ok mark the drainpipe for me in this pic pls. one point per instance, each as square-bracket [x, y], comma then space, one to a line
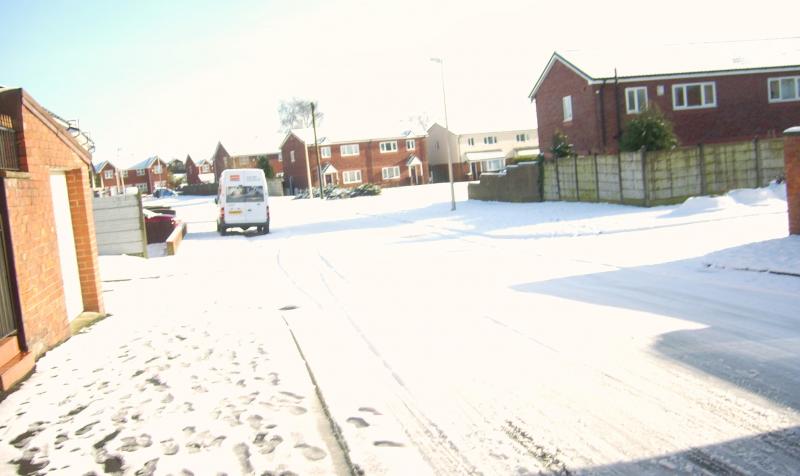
[616, 108]
[603, 114]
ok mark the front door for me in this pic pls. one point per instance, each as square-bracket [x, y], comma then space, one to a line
[66, 245]
[414, 176]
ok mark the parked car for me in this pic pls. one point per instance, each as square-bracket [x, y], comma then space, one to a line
[243, 200]
[164, 193]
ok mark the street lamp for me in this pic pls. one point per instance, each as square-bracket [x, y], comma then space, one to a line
[447, 142]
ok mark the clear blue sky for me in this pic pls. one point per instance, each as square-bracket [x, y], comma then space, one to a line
[174, 77]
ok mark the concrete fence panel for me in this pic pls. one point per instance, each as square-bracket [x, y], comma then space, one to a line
[119, 225]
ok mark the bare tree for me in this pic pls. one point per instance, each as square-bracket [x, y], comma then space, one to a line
[421, 120]
[296, 114]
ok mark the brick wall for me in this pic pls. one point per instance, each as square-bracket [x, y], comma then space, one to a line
[791, 157]
[33, 234]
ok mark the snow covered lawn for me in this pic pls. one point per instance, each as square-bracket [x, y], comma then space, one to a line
[497, 339]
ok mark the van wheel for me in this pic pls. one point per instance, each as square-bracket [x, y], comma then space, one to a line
[266, 228]
[222, 230]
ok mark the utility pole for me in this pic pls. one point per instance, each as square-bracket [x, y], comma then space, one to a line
[447, 142]
[316, 148]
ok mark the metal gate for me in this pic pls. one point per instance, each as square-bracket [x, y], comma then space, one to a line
[8, 321]
[8, 161]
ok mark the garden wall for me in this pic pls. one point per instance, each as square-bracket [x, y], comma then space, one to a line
[665, 177]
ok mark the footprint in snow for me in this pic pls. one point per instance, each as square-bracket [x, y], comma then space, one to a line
[369, 410]
[387, 444]
[358, 422]
[170, 447]
[311, 452]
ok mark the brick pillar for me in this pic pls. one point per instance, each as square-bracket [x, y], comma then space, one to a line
[80, 203]
[791, 161]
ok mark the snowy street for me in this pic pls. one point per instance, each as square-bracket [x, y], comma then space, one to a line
[501, 338]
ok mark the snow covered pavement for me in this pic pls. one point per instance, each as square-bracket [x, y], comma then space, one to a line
[500, 338]
[181, 379]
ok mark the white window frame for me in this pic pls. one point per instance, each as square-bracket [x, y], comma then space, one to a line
[157, 169]
[566, 104]
[140, 172]
[523, 137]
[391, 173]
[325, 152]
[280, 156]
[470, 141]
[291, 156]
[388, 146]
[780, 88]
[348, 150]
[411, 144]
[347, 176]
[489, 140]
[704, 104]
[108, 174]
[124, 174]
[635, 108]
[486, 165]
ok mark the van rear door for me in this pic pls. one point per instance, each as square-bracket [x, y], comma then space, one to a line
[245, 199]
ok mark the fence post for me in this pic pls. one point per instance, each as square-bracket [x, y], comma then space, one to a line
[759, 173]
[701, 163]
[596, 177]
[577, 184]
[619, 176]
[643, 157]
[558, 179]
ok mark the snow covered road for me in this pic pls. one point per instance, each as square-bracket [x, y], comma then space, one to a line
[498, 339]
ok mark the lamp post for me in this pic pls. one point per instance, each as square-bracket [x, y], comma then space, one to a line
[447, 142]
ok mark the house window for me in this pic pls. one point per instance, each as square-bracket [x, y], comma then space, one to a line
[351, 176]
[694, 96]
[157, 169]
[389, 173]
[140, 172]
[280, 156]
[523, 137]
[492, 165]
[635, 100]
[142, 187]
[784, 89]
[325, 152]
[291, 156]
[411, 144]
[109, 174]
[471, 141]
[566, 103]
[490, 140]
[390, 146]
[349, 149]
[124, 173]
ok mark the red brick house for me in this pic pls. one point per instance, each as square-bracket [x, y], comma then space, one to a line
[106, 174]
[192, 171]
[49, 272]
[251, 161]
[147, 175]
[389, 161]
[218, 161]
[711, 93]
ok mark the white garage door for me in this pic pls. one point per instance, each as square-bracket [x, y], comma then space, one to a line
[66, 245]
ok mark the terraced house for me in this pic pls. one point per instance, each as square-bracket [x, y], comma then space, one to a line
[711, 93]
[389, 161]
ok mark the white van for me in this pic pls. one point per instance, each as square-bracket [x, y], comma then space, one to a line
[242, 199]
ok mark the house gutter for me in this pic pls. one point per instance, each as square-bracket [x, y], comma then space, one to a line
[616, 108]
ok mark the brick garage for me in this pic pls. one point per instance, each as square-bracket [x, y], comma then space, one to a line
[791, 157]
[43, 148]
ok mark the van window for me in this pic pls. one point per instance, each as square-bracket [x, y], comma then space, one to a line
[244, 193]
